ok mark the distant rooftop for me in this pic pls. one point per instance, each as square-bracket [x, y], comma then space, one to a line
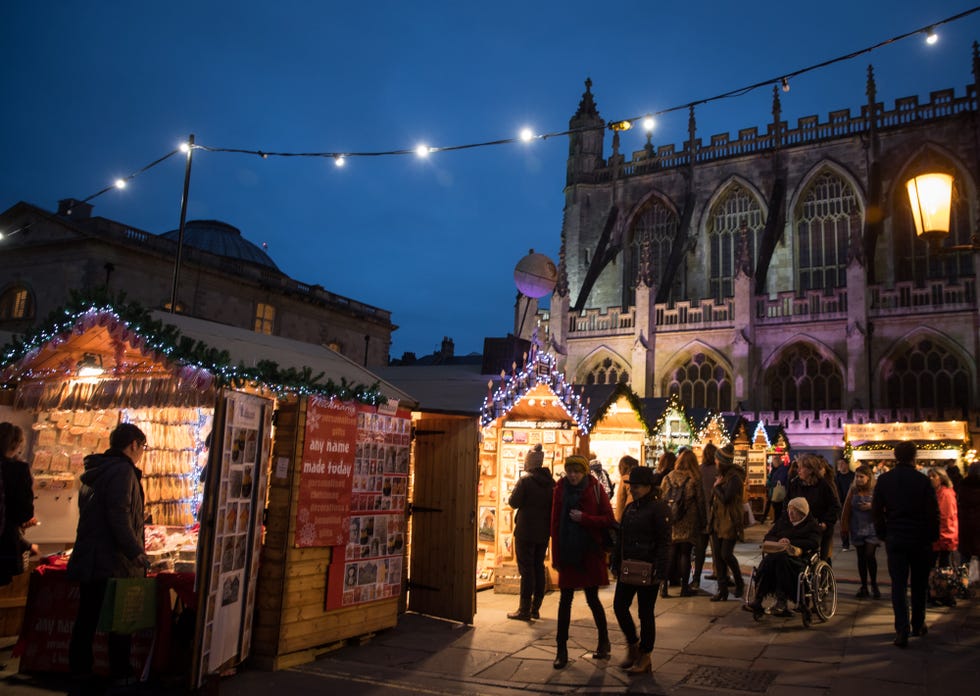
[222, 239]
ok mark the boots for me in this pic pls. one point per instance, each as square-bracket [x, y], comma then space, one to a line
[561, 658]
[522, 614]
[536, 609]
[663, 589]
[686, 589]
[642, 665]
[875, 592]
[632, 655]
[602, 648]
[739, 586]
[722, 593]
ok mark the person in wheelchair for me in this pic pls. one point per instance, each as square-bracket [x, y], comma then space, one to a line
[787, 548]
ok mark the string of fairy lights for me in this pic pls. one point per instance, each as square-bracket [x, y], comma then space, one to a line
[528, 135]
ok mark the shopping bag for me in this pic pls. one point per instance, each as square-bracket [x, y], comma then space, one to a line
[130, 605]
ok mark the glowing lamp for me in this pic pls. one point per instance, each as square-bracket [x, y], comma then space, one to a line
[930, 196]
[90, 365]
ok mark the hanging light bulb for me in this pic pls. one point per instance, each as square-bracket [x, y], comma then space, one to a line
[931, 36]
[184, 147]
[423, 150]
[785, 83]
[339, 161]
[527, 135]
[120, 183]
[649, 124]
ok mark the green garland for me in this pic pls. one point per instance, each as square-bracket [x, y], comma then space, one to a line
[167, 340]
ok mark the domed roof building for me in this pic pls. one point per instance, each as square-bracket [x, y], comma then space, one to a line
[221, 239]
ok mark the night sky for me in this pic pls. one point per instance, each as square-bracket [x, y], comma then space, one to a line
[93, 91]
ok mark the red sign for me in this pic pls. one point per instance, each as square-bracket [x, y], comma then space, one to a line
[323, 504]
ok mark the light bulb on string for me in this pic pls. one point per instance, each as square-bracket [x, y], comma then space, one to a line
[785, 84]
[423, 150]
[527, 135]
[339, 161]
[931, 36]
[120, 183]
[184, 147]
[649, 124]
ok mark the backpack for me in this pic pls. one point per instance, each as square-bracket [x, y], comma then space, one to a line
[675, 499]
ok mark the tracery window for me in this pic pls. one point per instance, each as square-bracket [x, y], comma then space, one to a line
[16, 303]
[607, 371]
[804, 380]
[927, 377]
[824, 222]
[658, 224]
[733, 210]
[701, 383]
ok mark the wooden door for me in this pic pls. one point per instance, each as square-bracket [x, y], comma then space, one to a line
[442, 565]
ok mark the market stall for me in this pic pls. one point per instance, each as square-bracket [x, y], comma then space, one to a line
[939, 443]
[534, 405]
[618, 429]
[766, 445]
[209, 427]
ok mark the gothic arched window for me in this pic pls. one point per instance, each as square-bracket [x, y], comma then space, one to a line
[804, 380]
[701, 383]
[735, 208]
[16, 302]
[824, 222]
[607, 371]
[927, 377]
[657, 224]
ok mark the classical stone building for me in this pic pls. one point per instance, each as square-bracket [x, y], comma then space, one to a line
[778, 272]
[223, 277]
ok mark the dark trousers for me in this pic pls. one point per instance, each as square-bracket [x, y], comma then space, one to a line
[700, 552]
[680, 560]
[646, 601]
[530, 564]
[724, 560]
[565, 613]
[80, 658]
[777, 509]
[908, 564]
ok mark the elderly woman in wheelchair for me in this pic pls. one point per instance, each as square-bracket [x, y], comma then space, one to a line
[788, 553]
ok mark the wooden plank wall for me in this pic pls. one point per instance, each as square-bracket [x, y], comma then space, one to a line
[291, 625]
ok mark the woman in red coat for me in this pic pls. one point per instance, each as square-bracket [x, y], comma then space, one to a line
[948, 518]
[579, 514]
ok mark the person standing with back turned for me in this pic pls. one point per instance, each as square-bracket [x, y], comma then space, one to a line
[108, 544]
[531, 498]
[906, 518]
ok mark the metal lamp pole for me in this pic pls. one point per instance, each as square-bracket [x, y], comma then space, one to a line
[183, 218]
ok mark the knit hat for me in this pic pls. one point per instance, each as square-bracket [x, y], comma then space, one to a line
[575, 462]
[641, 476]
[534, 458]
[725, 455]
[800, 505]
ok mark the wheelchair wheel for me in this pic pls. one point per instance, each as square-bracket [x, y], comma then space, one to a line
[824, 590]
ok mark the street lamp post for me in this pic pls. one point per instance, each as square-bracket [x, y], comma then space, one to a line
[183, 218]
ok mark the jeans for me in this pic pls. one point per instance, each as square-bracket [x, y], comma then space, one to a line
[530, 564]
[565, 613]
[646, 600]
[80, 658]
[908, 563]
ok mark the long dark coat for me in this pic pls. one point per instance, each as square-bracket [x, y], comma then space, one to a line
[597, 515]
[18, 488]
[531, 498]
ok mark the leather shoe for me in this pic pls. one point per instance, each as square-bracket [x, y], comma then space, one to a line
[561, 659]
[901, 640]
[920, 631]
[520, 615]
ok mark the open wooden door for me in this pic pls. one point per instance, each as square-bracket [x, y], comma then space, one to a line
[442, 565]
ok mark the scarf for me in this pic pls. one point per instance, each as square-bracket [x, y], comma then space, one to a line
[573, 539]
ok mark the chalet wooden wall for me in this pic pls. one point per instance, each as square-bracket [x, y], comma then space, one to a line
[291, 625]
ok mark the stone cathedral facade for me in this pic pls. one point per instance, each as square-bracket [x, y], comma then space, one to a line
[777, 273]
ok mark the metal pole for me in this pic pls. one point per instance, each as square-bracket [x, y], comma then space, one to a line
[183, 218]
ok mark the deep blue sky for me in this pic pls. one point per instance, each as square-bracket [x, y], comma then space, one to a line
[95, 90]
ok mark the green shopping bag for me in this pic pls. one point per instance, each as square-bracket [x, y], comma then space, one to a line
[130, 605]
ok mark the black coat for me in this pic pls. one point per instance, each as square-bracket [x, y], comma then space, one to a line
[18, 488]
[968, 512]
[806, 534]
[904, 508]
[823, 500]
[644, 534]
[531, 498]
[109, 539]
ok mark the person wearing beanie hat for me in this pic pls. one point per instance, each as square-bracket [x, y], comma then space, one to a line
[579, 514]
[531, 498]
[798, 534]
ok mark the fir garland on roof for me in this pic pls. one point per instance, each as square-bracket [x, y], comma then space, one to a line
[622, 389]
[135, 324]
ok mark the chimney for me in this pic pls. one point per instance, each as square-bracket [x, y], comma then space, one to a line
[74, 208]
[447, 348]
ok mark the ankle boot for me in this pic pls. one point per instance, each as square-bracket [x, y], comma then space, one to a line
[561, 658]
[686, 590]
[722, 593]
[632, 655]
[642, 665]
[522, 614]
[602, 648]
[739, 586]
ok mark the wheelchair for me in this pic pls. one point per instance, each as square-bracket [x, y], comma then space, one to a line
[816, 591]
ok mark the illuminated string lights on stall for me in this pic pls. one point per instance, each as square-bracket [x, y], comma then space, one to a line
[526, 135]
[539, 367]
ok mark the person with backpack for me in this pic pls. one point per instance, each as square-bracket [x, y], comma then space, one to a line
[681, 490]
